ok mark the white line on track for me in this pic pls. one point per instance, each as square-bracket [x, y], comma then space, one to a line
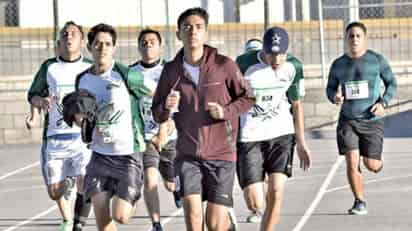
[368, 182]
[319, 195]
[42, 214]
[19, 170]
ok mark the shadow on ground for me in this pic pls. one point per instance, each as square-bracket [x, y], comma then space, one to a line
[398, 125]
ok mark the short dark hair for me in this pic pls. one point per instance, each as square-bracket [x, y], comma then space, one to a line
[101, 27]
[356, 24]
[149, 31]
[72, 23]
[193, 11]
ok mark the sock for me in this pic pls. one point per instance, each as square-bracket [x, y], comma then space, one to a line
[81, 210]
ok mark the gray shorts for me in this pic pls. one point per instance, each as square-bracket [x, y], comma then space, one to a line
[117, 175]
[255, 159]
[212, 179]
[62, 156]
[162, 160]
[363, 135]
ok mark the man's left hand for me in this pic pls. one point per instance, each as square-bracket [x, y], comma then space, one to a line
[215, 110]
[378, 109]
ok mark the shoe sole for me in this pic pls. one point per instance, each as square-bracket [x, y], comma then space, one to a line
[352, 212]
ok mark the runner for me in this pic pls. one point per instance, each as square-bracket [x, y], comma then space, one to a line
[205, 94]
[359, 74]
[114, 176]
[277, 88]
[63, 155]
[160, 139]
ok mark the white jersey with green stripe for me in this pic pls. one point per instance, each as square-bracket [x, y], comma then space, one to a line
[113, 134]
[151, 78]
[56, 78]
[271, 115]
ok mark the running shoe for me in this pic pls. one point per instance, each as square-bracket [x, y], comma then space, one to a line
[358, 208]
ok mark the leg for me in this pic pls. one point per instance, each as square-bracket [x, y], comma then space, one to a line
[254, 196]
[82, 206]
[251, 177]
[56, 192]
[151, 196]
[101, 207]
[123, 210]
[274, 196]
[192, 207]
[217, 217]
[353, 174]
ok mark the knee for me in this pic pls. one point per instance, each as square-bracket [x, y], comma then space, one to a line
[374, 165]
[170, 186]
[121, 219]
[54, 194]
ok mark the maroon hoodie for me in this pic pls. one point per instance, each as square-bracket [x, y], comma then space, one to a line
[198, 133]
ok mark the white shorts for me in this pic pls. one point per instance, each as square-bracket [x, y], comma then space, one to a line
[63, 156]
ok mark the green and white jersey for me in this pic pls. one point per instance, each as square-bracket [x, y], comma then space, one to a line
[151, 78]
[271, 115]
[119, 129]
[56, 78]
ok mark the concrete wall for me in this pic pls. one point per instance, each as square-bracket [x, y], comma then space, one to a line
[320, 115]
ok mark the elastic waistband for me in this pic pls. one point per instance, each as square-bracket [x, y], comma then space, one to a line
[68, 136]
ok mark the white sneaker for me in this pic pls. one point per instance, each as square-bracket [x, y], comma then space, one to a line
[254, 217]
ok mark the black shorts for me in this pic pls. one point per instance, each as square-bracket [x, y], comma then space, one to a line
[212, 179]
[363, 135]
[255, 159]
[162, 161]
[118, 175]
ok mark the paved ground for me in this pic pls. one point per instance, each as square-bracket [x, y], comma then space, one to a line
[314, 201]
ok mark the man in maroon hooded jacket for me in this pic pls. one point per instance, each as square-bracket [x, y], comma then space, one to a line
[205, 93]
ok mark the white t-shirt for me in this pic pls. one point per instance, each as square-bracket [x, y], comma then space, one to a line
[151, 79]
[270, 117]
[61, 77]
[113, 135]
[193, 71]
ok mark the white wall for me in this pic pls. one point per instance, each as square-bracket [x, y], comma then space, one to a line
[253, 12]
[39, 13]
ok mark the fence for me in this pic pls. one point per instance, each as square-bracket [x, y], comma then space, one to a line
[389, 27]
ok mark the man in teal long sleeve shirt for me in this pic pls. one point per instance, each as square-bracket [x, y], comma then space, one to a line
[359, 74]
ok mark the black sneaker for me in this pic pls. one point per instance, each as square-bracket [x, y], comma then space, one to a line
[358, 208]
[178, 200]
[77, 227]
[157, 227]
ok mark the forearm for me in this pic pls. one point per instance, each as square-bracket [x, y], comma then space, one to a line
[298, 119]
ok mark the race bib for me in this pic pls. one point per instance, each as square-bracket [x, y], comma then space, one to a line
[357, 90]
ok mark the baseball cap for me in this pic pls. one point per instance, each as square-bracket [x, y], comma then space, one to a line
[275, 40]
[253, 44]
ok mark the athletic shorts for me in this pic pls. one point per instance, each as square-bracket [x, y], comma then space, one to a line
[162, 161]
[62, 156]
[120, 176]
[212, 179]
[255, 159]
[363, 135]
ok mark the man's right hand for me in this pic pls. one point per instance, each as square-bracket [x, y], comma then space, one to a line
[339, 98]
[172, 100]
[41, 102]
